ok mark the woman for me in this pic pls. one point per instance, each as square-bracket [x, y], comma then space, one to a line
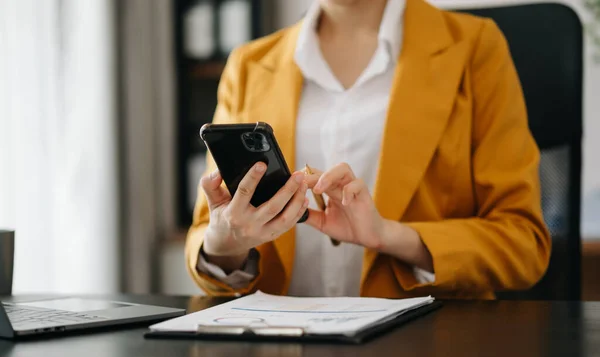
[417, 120]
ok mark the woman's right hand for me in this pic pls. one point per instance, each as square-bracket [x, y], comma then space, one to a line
[236, 226]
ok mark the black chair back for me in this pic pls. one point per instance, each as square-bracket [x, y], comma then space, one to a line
[546, 43]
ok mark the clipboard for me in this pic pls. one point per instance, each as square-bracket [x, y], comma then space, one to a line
[293, 334]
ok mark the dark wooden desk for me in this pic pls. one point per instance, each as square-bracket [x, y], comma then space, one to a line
[504, 328]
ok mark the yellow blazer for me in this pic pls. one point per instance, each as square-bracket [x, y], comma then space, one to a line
[458, 162]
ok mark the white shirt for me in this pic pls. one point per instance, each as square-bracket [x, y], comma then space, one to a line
[336, 125]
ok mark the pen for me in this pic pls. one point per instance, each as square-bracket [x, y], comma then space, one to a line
[320, 202]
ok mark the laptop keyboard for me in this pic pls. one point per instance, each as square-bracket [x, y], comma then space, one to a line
[26, 317]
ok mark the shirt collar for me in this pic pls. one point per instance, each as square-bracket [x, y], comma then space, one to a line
[308, 55]
[390, 30]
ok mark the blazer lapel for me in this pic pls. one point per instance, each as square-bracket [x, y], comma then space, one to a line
[427, 77]
[275, 83]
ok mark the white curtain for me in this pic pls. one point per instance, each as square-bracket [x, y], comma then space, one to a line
[58, 169]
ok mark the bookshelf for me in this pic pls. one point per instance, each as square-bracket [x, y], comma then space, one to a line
[197, 77]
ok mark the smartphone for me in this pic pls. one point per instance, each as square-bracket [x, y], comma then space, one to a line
[237, 147]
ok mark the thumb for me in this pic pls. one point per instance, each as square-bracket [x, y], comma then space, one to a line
[312, 178]
[316, 219]
[216, 195]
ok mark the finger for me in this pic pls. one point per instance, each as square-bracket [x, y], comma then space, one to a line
[312, 179]
[215, 194]
[291, 209]
[313, 171]
[339, 176]
[268, 210]
[290, 215]
[352, 190]
[316, 219]
[245, 191]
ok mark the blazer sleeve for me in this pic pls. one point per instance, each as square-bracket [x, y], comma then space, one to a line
[506, 244]
[228, 100]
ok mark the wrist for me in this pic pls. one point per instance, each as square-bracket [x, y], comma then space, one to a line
[228, 263]
[215, 252]
[391, 233]
[404, 243]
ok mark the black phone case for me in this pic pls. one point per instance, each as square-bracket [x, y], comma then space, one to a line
[234, 159]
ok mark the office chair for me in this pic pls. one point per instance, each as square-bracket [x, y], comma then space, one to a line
[546, 43]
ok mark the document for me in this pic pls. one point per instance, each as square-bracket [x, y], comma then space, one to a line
[270, 314]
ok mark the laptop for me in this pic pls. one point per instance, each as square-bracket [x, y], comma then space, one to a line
[68, 314]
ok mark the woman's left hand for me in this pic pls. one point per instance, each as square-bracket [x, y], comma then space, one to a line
[351, 215]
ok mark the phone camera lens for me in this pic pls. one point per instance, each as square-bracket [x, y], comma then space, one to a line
[255, 142]
[248, 139]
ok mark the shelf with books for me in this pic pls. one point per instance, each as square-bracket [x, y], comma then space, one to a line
[205, 33]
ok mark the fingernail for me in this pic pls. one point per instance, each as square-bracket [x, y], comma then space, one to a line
[260, 167]
[304, 187]
[299, 178]
[214, 174]
[305, 204]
